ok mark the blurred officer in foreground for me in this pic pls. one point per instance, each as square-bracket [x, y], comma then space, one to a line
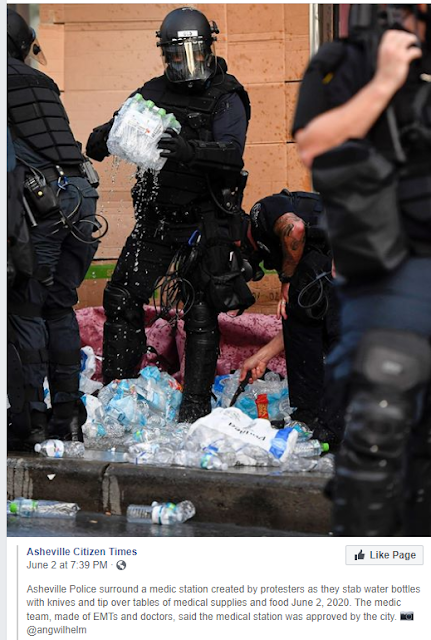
[284, 230]
[56, 193]
[187, 217]
[363, 124]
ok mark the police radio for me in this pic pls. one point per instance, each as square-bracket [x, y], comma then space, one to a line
[40, 196]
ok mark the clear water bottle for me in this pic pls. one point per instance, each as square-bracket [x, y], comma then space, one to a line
[301, 428]
[27, 508]
[310, 448]
[135, 103]
[199, 460]
[157, 453]
[271, 376]
[106, 393]
[140, 513]
[284, 406]
[161, 513]
[93, 430]
[185, 510]
[170, 122]
[60, 449]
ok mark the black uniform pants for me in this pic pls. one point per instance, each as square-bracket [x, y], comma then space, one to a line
[306, 342]
[44, 325]
[145, 258]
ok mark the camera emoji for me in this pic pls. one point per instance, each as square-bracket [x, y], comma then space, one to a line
[406, 615]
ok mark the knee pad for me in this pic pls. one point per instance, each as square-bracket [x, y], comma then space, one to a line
[390, 370]
[121, 305]
[201, 319]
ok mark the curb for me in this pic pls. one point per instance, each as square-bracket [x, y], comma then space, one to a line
[277, 501]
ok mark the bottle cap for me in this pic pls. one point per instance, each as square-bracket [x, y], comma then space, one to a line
[150, 104]
[325, 447]
[162, 112]
[138, 97]
[37, 447]
[13, 507]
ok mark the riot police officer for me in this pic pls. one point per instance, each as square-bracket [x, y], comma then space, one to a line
[363, 124]
[184, 214]
[285, 230]
[43, 335]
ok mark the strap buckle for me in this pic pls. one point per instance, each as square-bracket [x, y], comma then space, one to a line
[62, 180]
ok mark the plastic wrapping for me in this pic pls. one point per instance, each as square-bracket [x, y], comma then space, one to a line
[267, 398]
[136, 131]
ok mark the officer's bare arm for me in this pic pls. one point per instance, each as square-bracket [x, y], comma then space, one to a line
[291, 231]
[356, 117]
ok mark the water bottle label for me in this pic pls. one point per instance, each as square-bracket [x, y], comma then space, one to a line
[52, 448]
[279, 443]
[262, 406]
[159, 515]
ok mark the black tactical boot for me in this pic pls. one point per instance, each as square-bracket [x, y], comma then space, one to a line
[201, 359]
[67, 420]
[26, 431]
[194, 407]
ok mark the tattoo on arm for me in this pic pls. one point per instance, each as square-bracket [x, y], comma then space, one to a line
[291, 231]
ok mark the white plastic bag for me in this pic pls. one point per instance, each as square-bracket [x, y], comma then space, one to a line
[234, 424]
[88, 369]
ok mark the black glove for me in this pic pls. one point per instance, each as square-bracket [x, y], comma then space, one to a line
[175, 147]
[96, 145]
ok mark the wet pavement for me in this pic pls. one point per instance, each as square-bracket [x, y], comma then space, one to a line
[239, 502]
[97, 525]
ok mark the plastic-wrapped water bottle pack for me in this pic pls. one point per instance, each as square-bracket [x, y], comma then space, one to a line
[137, 129]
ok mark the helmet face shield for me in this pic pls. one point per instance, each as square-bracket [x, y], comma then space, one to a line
[188, 59]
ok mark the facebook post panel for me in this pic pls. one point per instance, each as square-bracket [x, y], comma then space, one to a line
[218, 320]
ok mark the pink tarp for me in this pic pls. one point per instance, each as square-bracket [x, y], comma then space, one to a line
[240, 338]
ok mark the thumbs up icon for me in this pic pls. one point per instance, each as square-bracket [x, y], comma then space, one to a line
[360, 555]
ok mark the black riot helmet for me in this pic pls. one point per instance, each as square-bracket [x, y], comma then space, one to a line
[187, 42]
[21, 39]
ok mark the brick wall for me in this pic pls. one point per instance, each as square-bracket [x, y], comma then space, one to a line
[99, 53]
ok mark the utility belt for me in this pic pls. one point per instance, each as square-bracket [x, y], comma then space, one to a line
[209, 257]
[52, 174]
[40, 199]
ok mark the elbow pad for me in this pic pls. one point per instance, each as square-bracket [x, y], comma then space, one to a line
[96, 145]
[223, 156]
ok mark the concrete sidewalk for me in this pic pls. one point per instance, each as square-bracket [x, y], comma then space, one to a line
[288, 502]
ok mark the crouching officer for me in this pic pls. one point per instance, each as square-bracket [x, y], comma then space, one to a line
[184, 222]
[285, 231]
[363, 124]
[60, 202]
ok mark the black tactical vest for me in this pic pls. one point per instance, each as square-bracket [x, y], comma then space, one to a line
[180, 187]
[36, 115]
[264, 214]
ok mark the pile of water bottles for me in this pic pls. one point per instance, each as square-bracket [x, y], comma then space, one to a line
[137, 128]
[138, 418]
